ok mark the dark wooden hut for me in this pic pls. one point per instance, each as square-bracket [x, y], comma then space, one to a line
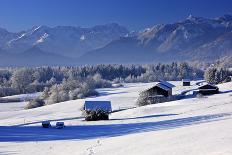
[208, 89]
[159, 90]
[162, 88]
[97, 110]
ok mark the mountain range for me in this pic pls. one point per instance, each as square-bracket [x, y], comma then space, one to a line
[193, 38]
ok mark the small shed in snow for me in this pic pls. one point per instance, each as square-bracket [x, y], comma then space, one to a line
[162, 88]
[208, 89]
[161, 92]
[186, 82]
[98, 105]
[97, 110]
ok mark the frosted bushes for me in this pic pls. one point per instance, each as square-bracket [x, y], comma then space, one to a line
[35, 103]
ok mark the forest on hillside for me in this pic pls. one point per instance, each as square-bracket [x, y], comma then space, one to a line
[59, 84]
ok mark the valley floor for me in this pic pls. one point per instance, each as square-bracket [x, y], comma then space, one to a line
[193, 126]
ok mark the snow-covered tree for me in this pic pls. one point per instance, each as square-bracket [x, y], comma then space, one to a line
[143, 99]
[21, 79]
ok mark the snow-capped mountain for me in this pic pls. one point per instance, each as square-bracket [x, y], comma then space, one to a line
[5, 36]
[192, 38]
[67, 41]
[186, 34]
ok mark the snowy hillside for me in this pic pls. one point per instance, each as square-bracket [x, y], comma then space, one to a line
[191, 126]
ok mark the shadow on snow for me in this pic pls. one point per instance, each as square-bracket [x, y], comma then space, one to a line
[149, 116]
[51, 120]
[84, 132]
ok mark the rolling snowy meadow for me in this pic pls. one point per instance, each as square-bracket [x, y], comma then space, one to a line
[116, 77]
[202, 125]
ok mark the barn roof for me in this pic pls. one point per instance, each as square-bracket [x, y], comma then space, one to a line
[207, 86]
[166, 83]
[98, 105]
[162, 86]
[186, 80]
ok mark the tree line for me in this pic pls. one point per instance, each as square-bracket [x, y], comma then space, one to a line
[59, 84]
[29, 80]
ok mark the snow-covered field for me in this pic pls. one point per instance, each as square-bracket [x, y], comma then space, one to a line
[193, 126]
[24, 96]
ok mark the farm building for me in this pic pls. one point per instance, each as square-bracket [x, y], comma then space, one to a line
[186, 82]
[159, 93]
[97, 110]
[98, 105]
[208, 89]
[159, 90]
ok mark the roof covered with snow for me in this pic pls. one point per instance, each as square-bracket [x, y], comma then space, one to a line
[166, 83]
[160, 85]
[98, 105]
[207, 86]
[186, 80]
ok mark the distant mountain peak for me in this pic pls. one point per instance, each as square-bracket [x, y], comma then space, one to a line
[190, 16]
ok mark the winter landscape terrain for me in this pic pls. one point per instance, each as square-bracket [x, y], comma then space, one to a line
[116, 77]
[188, 126]
[190, 39]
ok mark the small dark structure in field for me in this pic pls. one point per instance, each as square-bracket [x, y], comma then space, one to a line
[46, 124]
[186, 82]
[162, 88]
[161, 92]
[97, 110]
[60, 125]
[208, 89]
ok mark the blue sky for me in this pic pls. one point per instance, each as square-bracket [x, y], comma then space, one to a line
[16, 15]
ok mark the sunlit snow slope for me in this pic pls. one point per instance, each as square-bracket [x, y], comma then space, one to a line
[193, 126]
